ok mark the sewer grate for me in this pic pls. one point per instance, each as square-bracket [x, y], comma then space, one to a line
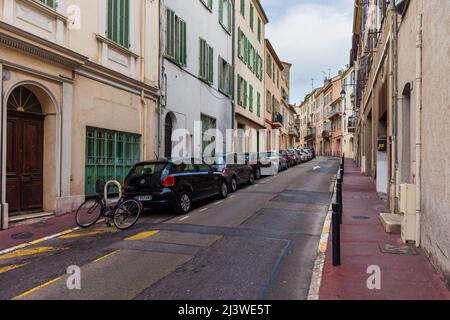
[360, 218]
[389, 248]
[22, 235]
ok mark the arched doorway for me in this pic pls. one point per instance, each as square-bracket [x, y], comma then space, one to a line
[168, 129]
[25, 150]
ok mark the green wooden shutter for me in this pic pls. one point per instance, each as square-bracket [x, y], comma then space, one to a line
[251, 16]
[221, 11]
[239, 90]
[258, 104]
[243, 8]
[182, 43]
[245, 94]
[230, 16]
[221, 75]
[211, 65]
[239, 43]
[250, 98]
[119, 22]
[230, 80]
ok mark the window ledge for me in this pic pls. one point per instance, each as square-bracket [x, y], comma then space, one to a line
[116, 46]
[48, 10]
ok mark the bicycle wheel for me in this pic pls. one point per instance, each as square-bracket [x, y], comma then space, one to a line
[127, 214]
[88, 213]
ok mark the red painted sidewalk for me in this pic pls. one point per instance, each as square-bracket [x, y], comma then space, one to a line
[403, 277]
[27, 233]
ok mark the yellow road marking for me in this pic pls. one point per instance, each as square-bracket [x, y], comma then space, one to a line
[107, 256]
[11, 267]
[30, 252]
[23, 295]
[142, 236]
[90, 233]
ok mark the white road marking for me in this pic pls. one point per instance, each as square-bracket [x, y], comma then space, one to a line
[232, 196]
[203, 210]
[185, 218]
[218, 203]
[317, 168]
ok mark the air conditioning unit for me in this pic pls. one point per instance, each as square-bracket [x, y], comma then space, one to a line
[407, 206]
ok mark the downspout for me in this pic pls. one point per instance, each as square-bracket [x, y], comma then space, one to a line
[3, 218]
[418, 169]
[143, 66]
[233, 46]
[395, 170]
[161, 76]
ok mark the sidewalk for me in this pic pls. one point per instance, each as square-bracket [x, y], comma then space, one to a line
[403, 277]
[21, 234]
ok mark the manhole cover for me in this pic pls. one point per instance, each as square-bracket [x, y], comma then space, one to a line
[360, 218]
[398, 249]
[22, 235]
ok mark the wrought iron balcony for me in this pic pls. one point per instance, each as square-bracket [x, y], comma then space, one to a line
[352, 124]
[294, 131]
[326, 134]
[333, 113]
[277, 120]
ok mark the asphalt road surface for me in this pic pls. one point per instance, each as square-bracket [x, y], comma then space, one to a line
[260, 243]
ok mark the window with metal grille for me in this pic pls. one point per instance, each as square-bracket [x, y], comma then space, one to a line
[109, 154]
[119, 22]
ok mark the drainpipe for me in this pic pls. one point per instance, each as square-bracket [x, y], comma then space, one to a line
[233, 46]
[144, 125]
[161, 76]
[418, 169]
[395, 171]
[3, 222]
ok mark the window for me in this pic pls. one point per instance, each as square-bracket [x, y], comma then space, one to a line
[251, 16]
[207, 3]
[206, 71]
[242, 92]
[269, 65]
[259, 30]
[243, 8]
[50, 3]
[208, 123]
[109, 154]
[250, 100]
[258, 104]
[176, 43]
[225, 13]
[269, 102]
[118, 21]
[225, 77]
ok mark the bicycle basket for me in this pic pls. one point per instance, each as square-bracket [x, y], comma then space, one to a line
[100, 186]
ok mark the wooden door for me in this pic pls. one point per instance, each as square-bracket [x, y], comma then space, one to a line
[24, 164]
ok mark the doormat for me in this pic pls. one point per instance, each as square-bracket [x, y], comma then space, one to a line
[389, 248]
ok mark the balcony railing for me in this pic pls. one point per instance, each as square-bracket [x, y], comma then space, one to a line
[294, 131]
[326, 134]
[351, 124]
[333, 112]
[278, 120]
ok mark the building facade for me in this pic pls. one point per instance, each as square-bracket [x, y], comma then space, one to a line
[80, 96]
[250, 25]
[197, 76]
[402, 115]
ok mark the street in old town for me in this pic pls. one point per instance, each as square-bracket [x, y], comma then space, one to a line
[260, 243]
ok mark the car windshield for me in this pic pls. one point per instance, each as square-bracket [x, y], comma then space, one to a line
[148, 169]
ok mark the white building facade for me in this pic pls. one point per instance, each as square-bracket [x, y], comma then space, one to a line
[197, 72]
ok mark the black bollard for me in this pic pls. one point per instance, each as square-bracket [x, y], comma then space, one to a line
[336, 228]
[339, 201]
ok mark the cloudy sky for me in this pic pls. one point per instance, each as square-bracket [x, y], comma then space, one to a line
[313, 35]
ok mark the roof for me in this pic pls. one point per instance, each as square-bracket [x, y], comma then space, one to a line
[260, 8]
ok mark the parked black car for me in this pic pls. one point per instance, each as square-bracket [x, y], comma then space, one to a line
[254, 160]
[235, 170]
[175, 184]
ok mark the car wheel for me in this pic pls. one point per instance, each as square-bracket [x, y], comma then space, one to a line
[184, 203]
[258, 174]
[223, 190]
[233, 185]
[251, 179]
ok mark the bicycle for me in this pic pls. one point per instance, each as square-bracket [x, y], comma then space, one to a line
[125, 214]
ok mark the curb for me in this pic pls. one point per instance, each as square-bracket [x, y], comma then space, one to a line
[319, 264]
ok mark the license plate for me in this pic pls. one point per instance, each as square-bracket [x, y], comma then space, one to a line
[145, 198]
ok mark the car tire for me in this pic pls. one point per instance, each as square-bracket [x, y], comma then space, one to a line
[184, 203]
[233, 185]
[251, 179]
[258, 174]
[223, 192]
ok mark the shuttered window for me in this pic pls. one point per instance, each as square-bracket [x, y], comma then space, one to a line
[225, 14]
[225, 77]
[250, 98]
[258, 104]
[206, 59]
[251, 16]
[243, 8]
[176, 43]
[259, 30]
[208, 3]
[119, 22]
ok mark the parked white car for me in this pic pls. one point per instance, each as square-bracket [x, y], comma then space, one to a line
[270, 163]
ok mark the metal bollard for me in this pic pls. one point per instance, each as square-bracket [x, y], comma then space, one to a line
[336, 228]
[339, 201]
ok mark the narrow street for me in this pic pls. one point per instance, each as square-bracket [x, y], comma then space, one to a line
[260, 243]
